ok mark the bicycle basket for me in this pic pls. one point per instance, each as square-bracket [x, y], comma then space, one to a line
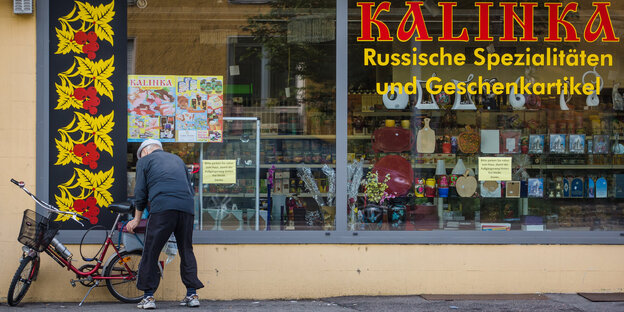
[37, 231]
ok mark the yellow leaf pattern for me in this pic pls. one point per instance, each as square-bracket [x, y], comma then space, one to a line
[105, 13]
[66, 41]
[104, 31]
[66, 97]
[86, 12]
[104, 87]
[85, 123]
[66, 152]
[88, 132]
[65, 204]
[102, 139]
[104, 69]
[85, 67]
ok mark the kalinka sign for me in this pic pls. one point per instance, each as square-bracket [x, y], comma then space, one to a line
[413, 23]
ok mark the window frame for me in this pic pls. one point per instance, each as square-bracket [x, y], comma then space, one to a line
[341, 235]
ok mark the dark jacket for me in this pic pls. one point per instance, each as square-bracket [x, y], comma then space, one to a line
[162, 180]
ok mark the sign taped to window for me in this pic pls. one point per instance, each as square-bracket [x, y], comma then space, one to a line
[219, 171]
[494, 168]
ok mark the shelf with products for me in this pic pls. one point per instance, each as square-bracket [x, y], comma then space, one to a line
[262, 195]
[288, 166]
[284, 137]
[324, 137]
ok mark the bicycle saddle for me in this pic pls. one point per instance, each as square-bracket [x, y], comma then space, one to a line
[122, 207]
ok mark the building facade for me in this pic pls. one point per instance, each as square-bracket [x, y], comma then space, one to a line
[314, 76]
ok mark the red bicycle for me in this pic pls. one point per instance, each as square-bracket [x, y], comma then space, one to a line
[38, 233]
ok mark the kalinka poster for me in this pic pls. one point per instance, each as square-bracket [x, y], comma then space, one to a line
[199, 115]
[151, 108]
[87, 170]
[175, 108]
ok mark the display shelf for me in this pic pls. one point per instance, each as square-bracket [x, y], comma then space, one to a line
[287, 166]
[293, 166]
[360, 137]
[383, 114]
[588, 167]
[236, 195]
[287, 137]
[262, 195]
[534, 167]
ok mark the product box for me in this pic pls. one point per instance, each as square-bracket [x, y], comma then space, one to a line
[532, 220]
[619, 186]
[495, 226]
[368, 103]
[558, 143]
[512, 189]
[536, 187]
[577, 187]
[536, 143]
[577, 143]
[490, 141]
[532, 227]
[510, 142]
[286, 185]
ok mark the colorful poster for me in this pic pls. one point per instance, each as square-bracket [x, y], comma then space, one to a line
[151, 108]
[199, 113]
[175, 108]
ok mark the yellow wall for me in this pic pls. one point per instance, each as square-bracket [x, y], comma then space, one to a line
[312, 271]
[17, 129]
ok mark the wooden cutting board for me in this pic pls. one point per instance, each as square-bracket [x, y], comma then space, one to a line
[466, 185]
[425, 141]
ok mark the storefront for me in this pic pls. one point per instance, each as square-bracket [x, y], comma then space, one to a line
[506, 188]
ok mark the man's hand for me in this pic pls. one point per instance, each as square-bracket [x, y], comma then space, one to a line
[132, 224]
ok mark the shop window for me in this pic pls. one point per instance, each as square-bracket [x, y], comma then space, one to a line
[287, 82]
[430, 162]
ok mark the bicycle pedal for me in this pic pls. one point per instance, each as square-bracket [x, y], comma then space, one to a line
[73, 283]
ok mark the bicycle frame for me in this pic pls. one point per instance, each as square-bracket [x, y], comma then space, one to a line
[93, 273]
[91, 278]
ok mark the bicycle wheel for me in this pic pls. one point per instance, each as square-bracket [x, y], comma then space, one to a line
[22, 279]
[124, 290]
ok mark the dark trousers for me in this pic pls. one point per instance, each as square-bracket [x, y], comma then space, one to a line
[159, 228]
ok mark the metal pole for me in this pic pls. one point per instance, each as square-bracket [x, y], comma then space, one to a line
[201, 186]
[341, 114]
[258, 174]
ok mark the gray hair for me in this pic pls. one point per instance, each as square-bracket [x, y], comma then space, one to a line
[152, 147]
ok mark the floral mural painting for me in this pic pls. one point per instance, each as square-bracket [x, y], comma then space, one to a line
[82, 90]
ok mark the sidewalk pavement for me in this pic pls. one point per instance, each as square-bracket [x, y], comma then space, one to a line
[552, 302]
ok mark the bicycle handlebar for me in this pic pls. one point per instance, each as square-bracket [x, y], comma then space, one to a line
[47, 206]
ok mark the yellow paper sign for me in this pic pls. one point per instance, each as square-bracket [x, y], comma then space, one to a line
[494, 168]
[219, 171]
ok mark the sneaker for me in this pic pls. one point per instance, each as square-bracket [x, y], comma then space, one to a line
[147, 303]
[190, 301]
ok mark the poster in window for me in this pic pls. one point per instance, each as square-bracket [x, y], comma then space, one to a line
[199, 114]
[151, 108]
[175, 108]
